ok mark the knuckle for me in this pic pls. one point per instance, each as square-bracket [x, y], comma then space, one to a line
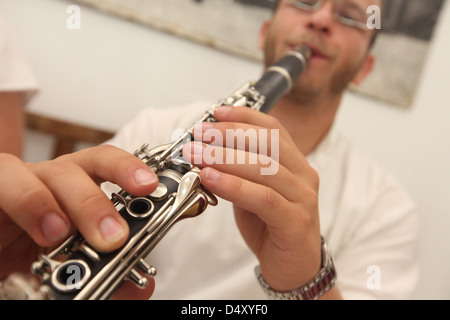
[314, 178]
[104, 148]
[274, 122]
[239, 186]
[121, 157]
[235, 129]
[92, 152]
[6, 157]
[57, 168]
[33, 195]
[91, 202]
[309, 207]
[61, 165]
[265, 161]
[268, 198]
[308, 221]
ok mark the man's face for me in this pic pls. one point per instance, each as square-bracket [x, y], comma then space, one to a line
[339, 51]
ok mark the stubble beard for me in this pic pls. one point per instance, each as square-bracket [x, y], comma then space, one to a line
[306, 92]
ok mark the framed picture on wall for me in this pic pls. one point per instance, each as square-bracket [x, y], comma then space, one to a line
[233, 26]
[401, 50]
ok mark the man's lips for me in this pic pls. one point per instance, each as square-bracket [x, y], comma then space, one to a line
[316, 52]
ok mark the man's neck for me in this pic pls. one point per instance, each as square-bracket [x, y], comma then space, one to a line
[307, 123]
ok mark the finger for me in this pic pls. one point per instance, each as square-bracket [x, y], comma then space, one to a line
[246, 129]
[256, 140]
[239, 136]
[30, 204]
[288, 225]
[90, 210]
[73, 180]
[256, 168]
[108, 163]
[246, 115]
[266, 203]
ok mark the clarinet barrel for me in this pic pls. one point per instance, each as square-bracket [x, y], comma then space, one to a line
[280, 77]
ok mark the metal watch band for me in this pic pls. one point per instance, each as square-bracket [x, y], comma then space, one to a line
[322, 282]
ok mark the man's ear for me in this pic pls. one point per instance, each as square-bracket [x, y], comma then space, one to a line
[365, 70]
[263, 34]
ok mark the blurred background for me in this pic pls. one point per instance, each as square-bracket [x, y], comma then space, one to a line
[103, 74]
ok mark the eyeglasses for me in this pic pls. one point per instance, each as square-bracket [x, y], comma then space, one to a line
[347, 12]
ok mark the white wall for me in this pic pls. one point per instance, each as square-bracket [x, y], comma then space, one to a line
[104, 73]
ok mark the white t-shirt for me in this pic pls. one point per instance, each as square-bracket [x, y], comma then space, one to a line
[369, 221]
[15, 72]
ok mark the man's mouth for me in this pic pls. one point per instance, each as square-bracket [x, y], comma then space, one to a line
[316, 52]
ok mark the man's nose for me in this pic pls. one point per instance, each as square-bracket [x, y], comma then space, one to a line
[322, 19]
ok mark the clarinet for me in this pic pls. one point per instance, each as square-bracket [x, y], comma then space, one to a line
[76, 271]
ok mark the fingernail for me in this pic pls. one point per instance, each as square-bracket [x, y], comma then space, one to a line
[222, 110]
[54, 228]
[111, 229]
[212, 174]
[144, 177]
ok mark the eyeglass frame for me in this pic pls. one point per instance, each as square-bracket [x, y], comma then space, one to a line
[312, 8]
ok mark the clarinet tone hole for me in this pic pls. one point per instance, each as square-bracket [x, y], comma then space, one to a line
[71, 276]
[140, 207]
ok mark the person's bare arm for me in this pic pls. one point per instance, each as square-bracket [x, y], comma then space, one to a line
[11, 123]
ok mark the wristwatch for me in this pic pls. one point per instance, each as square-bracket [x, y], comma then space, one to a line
[322, 282]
